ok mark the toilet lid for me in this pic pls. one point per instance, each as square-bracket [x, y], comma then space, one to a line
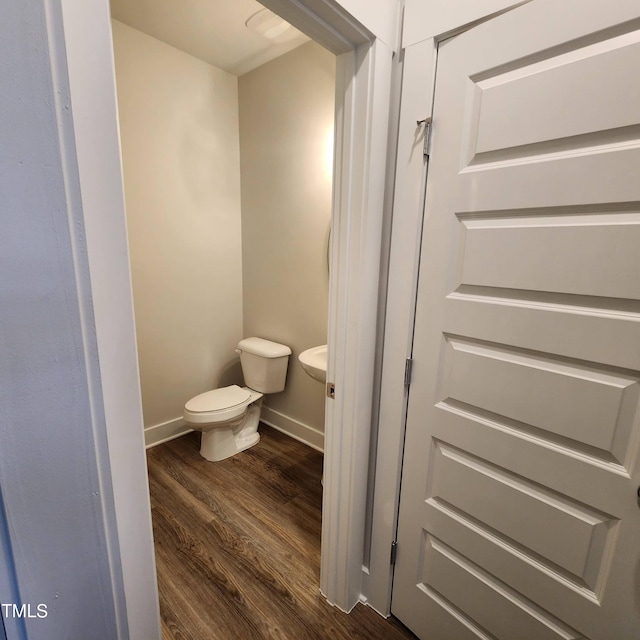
[218, 399]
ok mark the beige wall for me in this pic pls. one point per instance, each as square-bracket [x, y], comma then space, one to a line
[286, 139]
[179, 132]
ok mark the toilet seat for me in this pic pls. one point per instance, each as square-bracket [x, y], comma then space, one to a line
[218, 405]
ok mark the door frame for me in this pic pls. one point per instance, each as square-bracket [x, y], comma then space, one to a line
[363, 96]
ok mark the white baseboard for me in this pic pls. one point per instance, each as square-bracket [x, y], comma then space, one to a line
[165, 431]
[293, 428]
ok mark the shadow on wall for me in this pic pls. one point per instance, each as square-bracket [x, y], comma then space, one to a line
[287, 110]
[230, 373]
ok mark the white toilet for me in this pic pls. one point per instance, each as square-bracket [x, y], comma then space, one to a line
[228, 417]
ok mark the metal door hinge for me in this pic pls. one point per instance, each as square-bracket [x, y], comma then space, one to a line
[394, 551]
[331, 390]
[408, 369]
[426, 149]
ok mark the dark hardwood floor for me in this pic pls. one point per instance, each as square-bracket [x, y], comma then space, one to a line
[238, 546]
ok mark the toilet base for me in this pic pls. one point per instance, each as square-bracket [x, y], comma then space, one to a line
[219, 443]
[247, 442]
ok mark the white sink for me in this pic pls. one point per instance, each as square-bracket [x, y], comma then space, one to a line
[314, 362]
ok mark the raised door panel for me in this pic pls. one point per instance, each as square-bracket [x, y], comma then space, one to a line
[483, 601]
[576, 401]
[555, 98]
[586, 255]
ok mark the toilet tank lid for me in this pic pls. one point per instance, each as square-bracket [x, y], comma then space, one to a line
[264, 348]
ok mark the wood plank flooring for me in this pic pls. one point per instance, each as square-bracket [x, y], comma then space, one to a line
[238, 546]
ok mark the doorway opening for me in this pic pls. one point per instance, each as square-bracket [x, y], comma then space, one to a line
[228, 160]
[364, 69]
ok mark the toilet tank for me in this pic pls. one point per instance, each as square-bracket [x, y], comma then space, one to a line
[264, 364]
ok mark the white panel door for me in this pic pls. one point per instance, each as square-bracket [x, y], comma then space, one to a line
[519, 513]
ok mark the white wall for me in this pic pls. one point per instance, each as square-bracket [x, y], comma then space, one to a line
[180, 149]
[56, 499]
[286, 140]
[433, 18]
[380, 17]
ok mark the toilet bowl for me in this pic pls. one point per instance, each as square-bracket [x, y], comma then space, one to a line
[228, 417]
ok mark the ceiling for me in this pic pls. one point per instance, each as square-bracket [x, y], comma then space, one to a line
[212, 30]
